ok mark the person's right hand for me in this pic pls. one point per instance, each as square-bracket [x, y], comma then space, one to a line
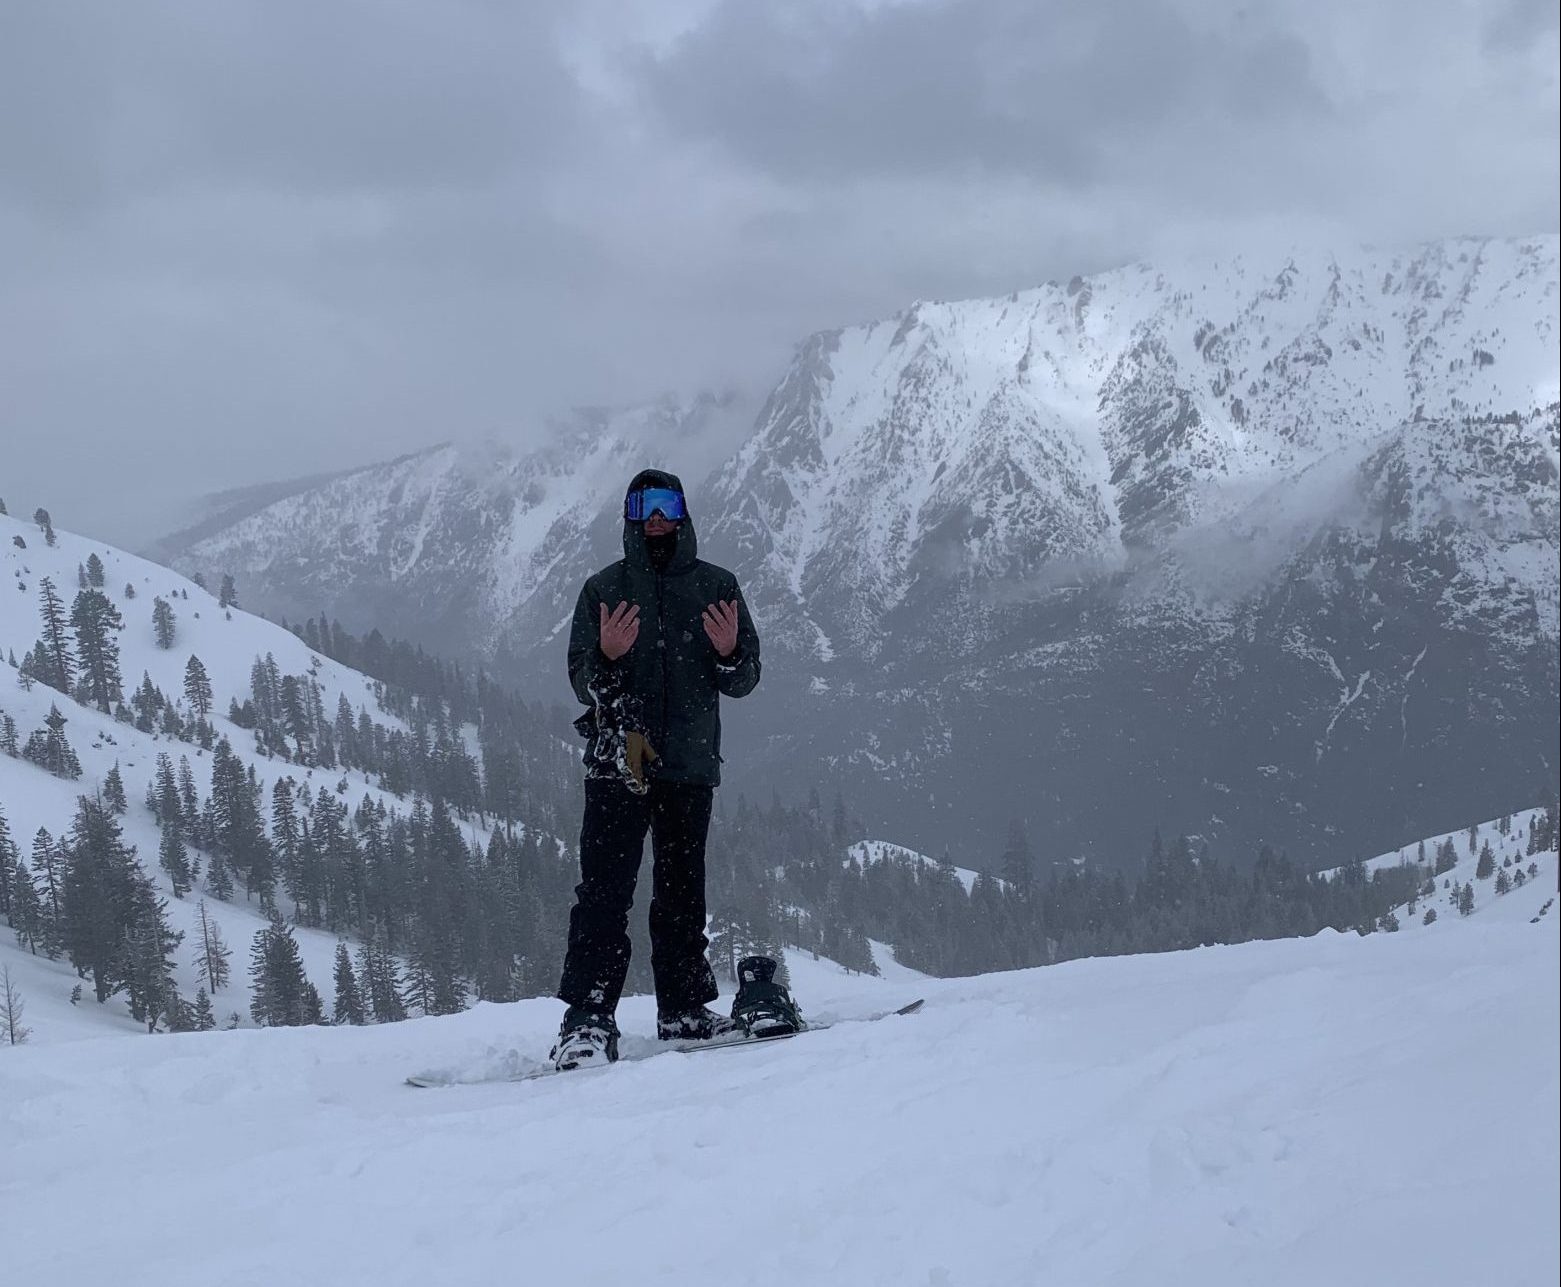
[619, 630]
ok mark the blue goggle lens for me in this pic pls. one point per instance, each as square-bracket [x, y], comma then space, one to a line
[640, 505]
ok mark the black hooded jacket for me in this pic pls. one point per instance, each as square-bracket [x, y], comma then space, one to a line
[672, 671]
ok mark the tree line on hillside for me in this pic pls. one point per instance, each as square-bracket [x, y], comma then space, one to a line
[449, 879]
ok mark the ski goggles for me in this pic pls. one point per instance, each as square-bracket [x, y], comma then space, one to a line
[641, 504]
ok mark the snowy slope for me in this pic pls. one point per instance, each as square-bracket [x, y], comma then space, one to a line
[1334, 1110]
[32, 798]
[866, 852]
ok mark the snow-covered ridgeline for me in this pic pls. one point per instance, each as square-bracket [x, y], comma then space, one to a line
[1068, 422]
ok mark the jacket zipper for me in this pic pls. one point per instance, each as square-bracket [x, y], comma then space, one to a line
[661, 641]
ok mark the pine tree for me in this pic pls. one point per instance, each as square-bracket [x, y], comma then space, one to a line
[211, 953]
[197, 687]
[95, 576]
[9, 855]
[280, 991]
[41, 517]
[55, 664]
[189, 800]
[130, 590]
[1017, 863]
[349, 998]
[1503, 882]
[8, 738]
[379, 975]
[205, 1021]
[227, 596]
[48, 864]
[1487, 864]
[219, 880]
[1430, 916]
[149, 945]
[99, 897]
[97, 623]
[48, 748]
[114, 791]
[174, 858]
[27, 916]
[163, 623]
[1466, 900]
[11, 1008]
[1446, 857]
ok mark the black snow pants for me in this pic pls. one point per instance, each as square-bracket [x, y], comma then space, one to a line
[612, 839]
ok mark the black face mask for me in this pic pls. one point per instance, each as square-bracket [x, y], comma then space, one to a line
[661, 549]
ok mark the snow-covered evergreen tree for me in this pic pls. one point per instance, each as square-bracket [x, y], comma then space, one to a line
[98, 622]
[197, 687]
[99, 897]
[280, 991]
[114, 790]
[164, 627]
[55, 663]
[349, 997]
[49, 749]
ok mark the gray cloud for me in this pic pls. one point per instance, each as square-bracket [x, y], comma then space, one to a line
[268, 237]
[1036, 87]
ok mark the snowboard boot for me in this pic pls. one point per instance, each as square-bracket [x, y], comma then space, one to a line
[700, 1023]
[586, 1038]
[762, 1006]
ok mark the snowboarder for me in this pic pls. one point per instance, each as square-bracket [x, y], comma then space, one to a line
[657, 639]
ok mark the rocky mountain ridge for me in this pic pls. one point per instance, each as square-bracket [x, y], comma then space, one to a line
[1197, 545]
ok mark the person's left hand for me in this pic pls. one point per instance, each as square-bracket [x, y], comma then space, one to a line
[721, 626]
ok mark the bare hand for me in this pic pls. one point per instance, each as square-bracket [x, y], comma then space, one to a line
[619, 630]
[721, 626]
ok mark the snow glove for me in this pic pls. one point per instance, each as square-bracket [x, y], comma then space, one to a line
[639, 756]
[616, 745]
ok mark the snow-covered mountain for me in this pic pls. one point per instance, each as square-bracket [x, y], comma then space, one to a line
[1283, 1112]
[448, 547]
[1266, 547]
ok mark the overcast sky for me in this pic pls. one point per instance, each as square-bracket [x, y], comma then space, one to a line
[247, 239]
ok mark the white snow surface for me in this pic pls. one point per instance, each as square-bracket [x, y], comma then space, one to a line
[1339, 1109]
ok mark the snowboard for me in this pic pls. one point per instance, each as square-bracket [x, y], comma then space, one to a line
[512, 1067]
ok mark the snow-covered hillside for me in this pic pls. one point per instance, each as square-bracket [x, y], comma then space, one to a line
[227, 642]
[866, 852]
[1332, 1110]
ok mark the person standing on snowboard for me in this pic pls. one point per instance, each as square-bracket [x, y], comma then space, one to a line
[657, 639]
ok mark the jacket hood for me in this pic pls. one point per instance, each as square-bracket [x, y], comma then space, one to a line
[687, 551]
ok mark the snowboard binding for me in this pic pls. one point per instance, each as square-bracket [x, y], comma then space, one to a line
[762, 1006]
